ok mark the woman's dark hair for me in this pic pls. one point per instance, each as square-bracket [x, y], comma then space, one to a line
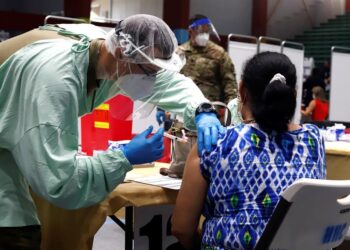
[272, 102]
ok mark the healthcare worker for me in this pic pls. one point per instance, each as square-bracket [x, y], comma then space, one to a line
[48, 78]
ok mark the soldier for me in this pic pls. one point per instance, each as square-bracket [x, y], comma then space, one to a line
[207, 63]
[211, 69]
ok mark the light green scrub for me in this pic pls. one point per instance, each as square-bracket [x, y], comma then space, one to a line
[42, 93]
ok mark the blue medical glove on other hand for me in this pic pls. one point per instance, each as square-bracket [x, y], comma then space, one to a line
[160, 116]
[208, 128]
[142, 149]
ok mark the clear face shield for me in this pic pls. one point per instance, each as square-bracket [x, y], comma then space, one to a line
[145, 91]
[203, 29]
[148, 50]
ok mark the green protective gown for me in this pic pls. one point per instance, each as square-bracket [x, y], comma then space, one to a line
[43, 91]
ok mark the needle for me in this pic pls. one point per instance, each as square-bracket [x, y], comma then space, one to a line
[173, 137]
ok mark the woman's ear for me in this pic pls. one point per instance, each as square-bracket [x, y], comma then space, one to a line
[242, 92]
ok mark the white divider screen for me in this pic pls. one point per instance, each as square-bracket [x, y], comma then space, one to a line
[269, 47]
[297, 58]
[339, 92]
[239, 53]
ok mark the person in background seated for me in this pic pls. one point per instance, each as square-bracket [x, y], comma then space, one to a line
[238, 184]
[315, 79]
[318, 108]
[326, 75]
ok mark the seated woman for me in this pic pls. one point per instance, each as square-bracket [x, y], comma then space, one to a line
[318, 108]
[238, 185]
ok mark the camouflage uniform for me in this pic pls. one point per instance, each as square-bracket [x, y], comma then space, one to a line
[212, 70]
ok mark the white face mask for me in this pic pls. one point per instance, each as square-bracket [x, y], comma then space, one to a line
[202, 39]
[137, 86]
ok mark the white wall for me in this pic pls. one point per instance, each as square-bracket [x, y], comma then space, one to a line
[124, 8]
[228, 16]
[339, 98]
[43, 7]
[287, 18]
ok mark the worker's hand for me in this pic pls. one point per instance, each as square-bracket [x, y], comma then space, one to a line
[160, 116]
[142, 149]
[208, 128]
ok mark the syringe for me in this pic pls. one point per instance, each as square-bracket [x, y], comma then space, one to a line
[173, 137]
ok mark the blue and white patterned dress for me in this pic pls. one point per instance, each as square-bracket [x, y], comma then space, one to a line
[247, 171]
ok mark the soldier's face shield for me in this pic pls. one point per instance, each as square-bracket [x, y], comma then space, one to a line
[204, 25]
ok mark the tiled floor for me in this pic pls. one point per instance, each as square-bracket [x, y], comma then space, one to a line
[111, 237]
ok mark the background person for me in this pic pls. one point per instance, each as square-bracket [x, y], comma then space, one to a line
[318, 108]
[238, 184]
[326, 74]
[315, 79]
[208, 64]
[211, 69]
[51, 76]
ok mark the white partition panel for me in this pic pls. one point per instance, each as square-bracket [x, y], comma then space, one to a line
[339, 92]
[297, 58]
[269, 44]
[240, 52]
[269, 47]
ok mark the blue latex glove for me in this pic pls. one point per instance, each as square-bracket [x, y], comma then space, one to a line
[142, 149]
[160, 116]
[208, 127]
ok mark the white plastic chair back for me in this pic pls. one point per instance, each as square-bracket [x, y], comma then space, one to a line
[311, 214]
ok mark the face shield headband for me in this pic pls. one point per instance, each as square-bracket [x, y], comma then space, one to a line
[199, 22]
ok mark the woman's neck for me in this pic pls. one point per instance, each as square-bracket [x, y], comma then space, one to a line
[249, 119]
[293, 127]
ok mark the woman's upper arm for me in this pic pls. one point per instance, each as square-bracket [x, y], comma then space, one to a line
[310, 108]
[191, 196]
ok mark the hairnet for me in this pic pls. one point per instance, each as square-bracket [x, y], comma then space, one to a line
[145, 39]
